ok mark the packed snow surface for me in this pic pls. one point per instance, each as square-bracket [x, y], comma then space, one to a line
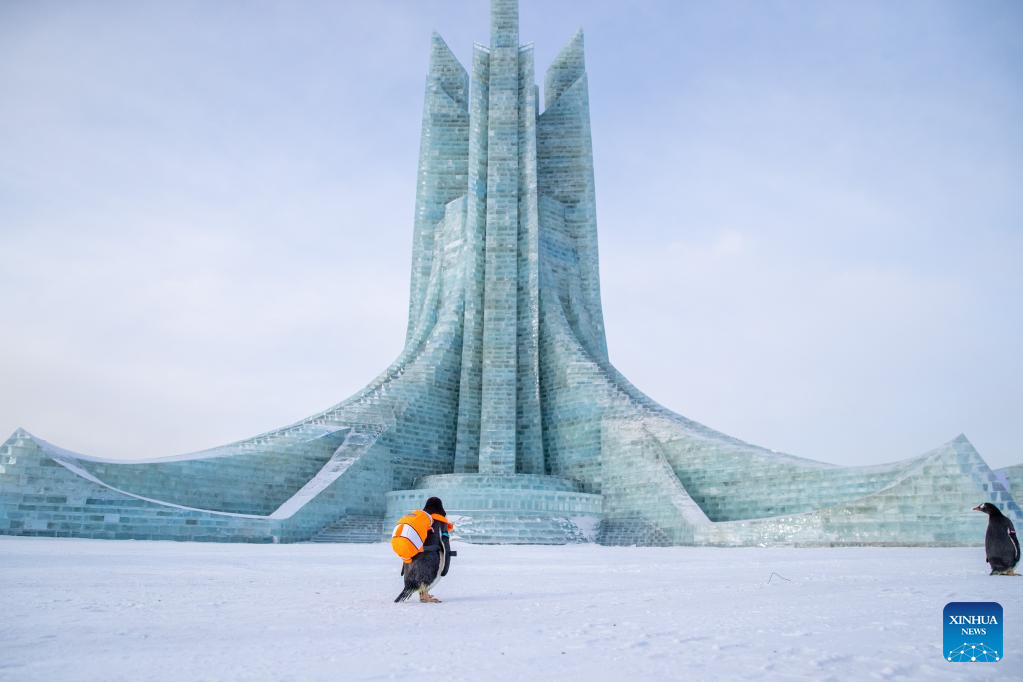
[122, 610]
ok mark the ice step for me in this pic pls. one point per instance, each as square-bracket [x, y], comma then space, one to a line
[363, 528]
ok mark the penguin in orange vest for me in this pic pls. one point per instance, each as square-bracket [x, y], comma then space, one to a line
[431, 563]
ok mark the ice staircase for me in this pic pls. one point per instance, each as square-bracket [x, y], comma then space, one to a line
[362, 528]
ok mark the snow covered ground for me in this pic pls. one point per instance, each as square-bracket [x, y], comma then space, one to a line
[121, 610]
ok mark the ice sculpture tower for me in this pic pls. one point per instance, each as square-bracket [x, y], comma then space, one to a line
[495, 163]
[503, 401]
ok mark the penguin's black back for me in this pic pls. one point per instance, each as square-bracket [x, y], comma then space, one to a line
[1001, 544]
[426, 565]
[423, 570]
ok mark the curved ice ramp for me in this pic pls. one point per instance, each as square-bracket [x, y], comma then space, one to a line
[283, 485]
[244, 479]
[399, 428]
[925, 501]
[66, 500]
[40, 496]
[667, 480]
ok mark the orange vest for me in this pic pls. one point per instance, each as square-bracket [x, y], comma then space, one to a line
[410, 533]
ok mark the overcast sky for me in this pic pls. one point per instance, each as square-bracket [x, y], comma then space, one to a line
[810, 213]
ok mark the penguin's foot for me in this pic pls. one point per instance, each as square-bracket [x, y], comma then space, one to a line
[428, 598]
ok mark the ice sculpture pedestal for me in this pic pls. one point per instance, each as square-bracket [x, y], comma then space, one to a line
[506, 509]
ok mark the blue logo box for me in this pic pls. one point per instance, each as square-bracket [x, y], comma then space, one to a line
[972, 632]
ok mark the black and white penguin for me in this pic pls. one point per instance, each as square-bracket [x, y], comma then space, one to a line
[432, 563]
[1000, 543]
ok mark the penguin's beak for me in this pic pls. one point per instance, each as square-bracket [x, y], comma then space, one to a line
[977, 508]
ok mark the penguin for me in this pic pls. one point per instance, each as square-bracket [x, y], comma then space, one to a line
[1000, 543]
[432, 563]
